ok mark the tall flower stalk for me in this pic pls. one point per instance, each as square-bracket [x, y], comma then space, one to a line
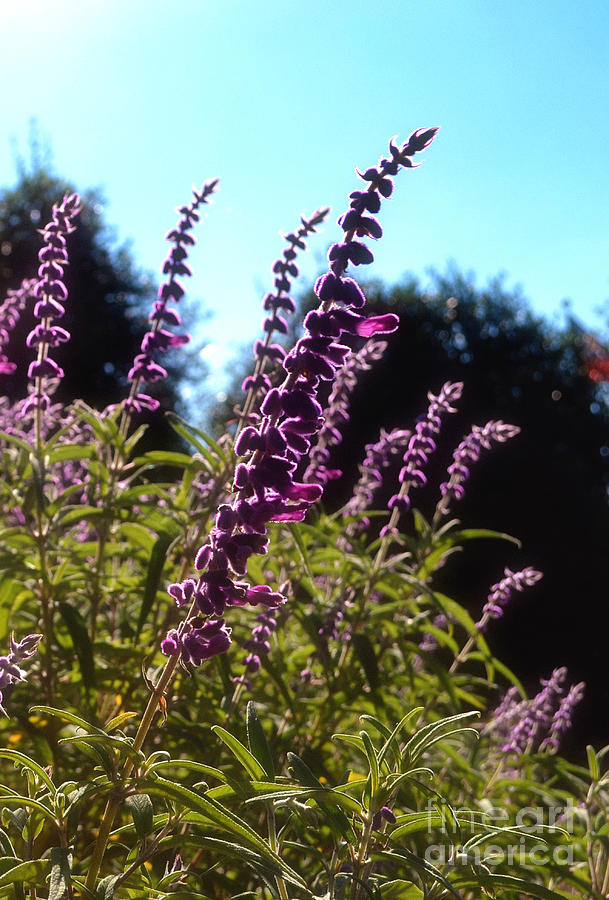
[498, 598]
[145, 369]
[50, 293]
[276, 304]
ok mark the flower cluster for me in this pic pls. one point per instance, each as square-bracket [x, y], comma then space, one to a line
[501, 592]
[539, 723]
[51, 293]
[158, 338]
[266, 489]
[420, 447]
[563, 718]
[276, 304]
[10, 672]
[10, 313]
[258, 644]
[378, 457]
[469, 451]
[336, 413]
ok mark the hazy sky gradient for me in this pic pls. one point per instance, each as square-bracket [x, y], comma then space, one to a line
[283, 100]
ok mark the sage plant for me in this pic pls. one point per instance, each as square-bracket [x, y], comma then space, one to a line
[266, 489]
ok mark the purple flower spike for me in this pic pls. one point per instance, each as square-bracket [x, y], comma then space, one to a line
[158, 339]
[50, 290]
[526, 726]
[420, 446]
[469, 451]
[563, 718]
[10, 672]
[501, 592]
[274, 303]
[337, 412]
[10, 313]
[378, 457]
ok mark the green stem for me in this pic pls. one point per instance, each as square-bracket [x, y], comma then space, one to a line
[114, 803]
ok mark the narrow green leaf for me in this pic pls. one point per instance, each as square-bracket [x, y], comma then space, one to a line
[511, 883]
[372, 762]
[83, 648]
[17, 442]
[593, 763]
[165, 458]
[71, 451]
[258, 744]
[391, 742]
[27, 763]
[400, 890]
[32, 873]
[153, 577]
[200, 768]
[139, 535]
[364, 651]
[61, 872]
[29, 801]
[336, 817]
[240, 752]
[296, 533]
[220, 816]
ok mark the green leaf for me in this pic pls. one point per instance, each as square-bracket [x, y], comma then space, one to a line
[400, 890]
[511, 883]
[593, 763]
[258, 743]
[296, 533]
[372, 762]
[153, 577]
[364, 651]
[142, 812]
[27, 763]
[198, 439]
[105, 888]
[17, 442]
[424, 736]
[336, 817]
[165, 458]
[191, 764]
[422, 866]
[81, 642]
[241, 753]
[29, 801]
[61, 872]
[391, 742]
[139, 535]
[71, 451]
[33, 872]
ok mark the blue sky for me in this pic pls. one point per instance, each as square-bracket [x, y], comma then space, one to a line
[282, 100]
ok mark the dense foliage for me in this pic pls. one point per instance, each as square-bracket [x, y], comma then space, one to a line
[311, 714]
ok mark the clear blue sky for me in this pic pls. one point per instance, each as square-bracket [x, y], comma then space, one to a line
[282, 100]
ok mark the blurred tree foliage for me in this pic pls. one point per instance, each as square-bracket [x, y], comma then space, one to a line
[548, 485]
[108, 297]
